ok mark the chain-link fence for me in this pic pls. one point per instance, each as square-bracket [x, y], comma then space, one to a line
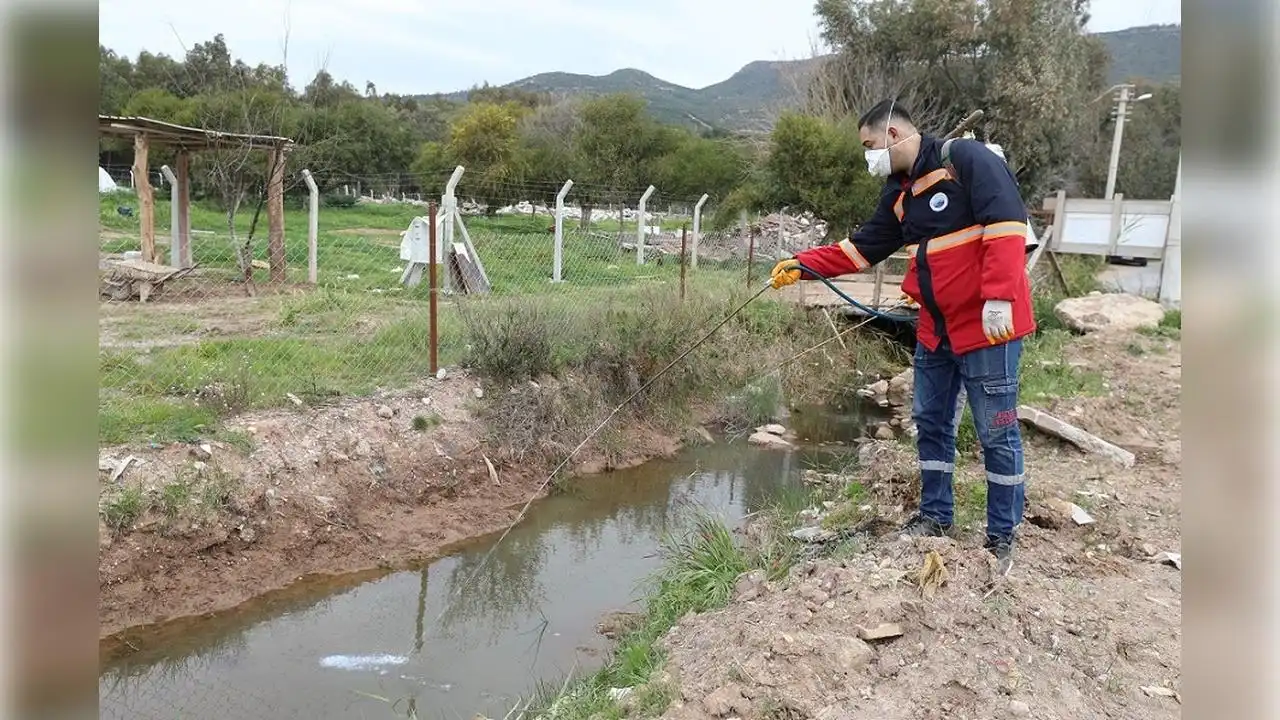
[181, 347]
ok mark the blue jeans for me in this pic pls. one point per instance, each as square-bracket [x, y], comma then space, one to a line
[990, 378]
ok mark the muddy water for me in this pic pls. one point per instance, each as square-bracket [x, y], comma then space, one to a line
[393, 646]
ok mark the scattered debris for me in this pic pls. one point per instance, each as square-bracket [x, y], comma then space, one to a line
[203, 451]
[749, 586]
[1168, 558]
[933, 575]
[1157, 691]
[812, 535]
[120, 467]
[620, 694]
[493, 472]
[1088, 442]
[883, 631]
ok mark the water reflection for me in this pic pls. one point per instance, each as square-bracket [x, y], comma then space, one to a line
[476, 634]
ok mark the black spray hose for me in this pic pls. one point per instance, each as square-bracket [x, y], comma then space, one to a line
[871, 311]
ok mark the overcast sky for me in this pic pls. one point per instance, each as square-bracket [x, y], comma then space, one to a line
[424, 46]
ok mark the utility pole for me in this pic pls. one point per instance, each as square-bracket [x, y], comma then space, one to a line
[1122, 112]
[1122, 107]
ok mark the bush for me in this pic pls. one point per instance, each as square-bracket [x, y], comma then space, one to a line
[511, 341]
[338, 200]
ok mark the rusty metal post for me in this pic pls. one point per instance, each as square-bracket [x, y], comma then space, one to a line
[751, 252]
[684, 248]
[433, 286]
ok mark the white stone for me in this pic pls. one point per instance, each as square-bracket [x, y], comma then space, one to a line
[1109, 312]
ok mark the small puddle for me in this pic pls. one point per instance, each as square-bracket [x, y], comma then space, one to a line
[382, 645]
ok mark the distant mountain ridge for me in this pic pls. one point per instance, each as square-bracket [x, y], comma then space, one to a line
[750, 98]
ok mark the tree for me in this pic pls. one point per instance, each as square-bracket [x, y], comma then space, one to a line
[484, 140]
[816, 166]
[1027, 63]
[701, 165]
[548, 149]
[323, 91]
[615, 146]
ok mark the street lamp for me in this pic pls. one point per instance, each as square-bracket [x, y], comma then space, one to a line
[1122, 111]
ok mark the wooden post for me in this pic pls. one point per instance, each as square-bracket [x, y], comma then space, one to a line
[433, 289]
[183, 162]
[751, 252]
[275, 215]
[146, 198]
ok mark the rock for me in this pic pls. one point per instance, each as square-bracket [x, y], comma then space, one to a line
[811, 534]
[616, 624]
[385, 412]
[772, 429]
[362, 450]
[337, 457]
[850, 654]
[880, 388]
[883, 631]
[768, 440]
[749, 586]
[202, 451]
[1017, 708]
[699, 436]
[478, 392]
[1109, 312]
[725, 701]
[247, 534]
[884, 432]
[441, 374]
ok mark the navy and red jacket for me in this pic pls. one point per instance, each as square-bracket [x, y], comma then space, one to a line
[967, 238]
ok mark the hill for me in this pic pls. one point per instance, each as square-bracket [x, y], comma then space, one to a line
[750, 99]
[1150, 52]
[745, 101]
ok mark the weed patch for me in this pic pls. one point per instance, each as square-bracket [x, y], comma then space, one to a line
[123, 508]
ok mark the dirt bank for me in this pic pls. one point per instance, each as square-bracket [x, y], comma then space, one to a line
[1088, 624]
[357, 484]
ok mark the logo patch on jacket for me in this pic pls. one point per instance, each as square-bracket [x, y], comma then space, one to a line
[938, 202]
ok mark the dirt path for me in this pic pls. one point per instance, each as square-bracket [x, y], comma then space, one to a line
[1086, 626]
[379, 482]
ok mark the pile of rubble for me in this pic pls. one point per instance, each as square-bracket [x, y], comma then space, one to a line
[777, 236]
[894, 394]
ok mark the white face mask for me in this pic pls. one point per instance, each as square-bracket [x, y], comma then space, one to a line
[878, 160]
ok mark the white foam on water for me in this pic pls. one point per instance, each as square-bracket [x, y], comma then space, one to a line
[361, 662]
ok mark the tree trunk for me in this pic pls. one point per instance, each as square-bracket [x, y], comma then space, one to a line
[586, 217]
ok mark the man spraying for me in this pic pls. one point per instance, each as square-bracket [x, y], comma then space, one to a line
[955, 205]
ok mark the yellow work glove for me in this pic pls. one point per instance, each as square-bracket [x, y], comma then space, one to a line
[785, 273]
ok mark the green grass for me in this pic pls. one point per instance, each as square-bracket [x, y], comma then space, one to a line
[360, 330]
[700, 568]
[1170, 326]
[1046, 373]
[123, 507]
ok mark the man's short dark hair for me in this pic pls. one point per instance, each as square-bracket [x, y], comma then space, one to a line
[878, 115]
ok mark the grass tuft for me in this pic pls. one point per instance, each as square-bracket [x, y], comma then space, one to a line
[122, 509]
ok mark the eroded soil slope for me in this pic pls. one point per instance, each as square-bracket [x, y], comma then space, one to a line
[1087, 625]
